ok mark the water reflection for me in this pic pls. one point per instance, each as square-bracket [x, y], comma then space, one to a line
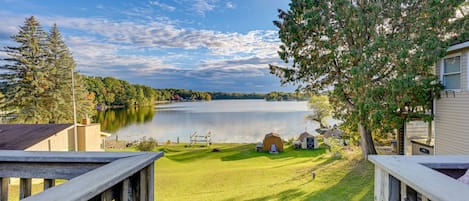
[114, 119]
[227, 120]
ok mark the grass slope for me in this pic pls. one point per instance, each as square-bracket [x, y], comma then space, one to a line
[240, 173]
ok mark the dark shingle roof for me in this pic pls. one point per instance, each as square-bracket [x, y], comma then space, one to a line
[22, 136]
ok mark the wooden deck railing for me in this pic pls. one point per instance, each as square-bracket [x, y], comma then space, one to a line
[90, 175]
[420, 178]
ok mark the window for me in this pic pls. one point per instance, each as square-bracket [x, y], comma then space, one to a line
[452, 72]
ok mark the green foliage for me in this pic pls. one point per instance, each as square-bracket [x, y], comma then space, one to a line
[336, 147]
[24, 76]
[113, 119]
[109, 91]
[289, 141]
[321, 108]
[375, 57]
[36, 78]
[284, 96]
[233, 95]
[2, 108]
[60, 67]
[145, 144]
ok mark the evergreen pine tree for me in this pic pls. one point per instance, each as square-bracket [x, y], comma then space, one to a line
[61, 65]
[84, 101]
[24, 77]
[3, 111]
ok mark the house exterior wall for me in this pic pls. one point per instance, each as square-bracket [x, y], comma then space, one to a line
[452, 112]
[414, 130]
[89, 137]
[62, 141]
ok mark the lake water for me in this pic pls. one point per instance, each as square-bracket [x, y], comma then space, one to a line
[227, 120]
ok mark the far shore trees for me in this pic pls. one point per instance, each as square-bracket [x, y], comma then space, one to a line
[373, 58]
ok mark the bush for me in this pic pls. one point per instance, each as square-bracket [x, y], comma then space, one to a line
[289, 141]
[146, 144]
[335, 147]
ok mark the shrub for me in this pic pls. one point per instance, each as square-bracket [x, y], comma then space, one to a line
[335, 147]
[146, 144]
[289, 141]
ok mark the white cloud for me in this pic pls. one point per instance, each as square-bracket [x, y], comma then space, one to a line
[202, 6]
[230, 5]
[102, 59]
[166, 35]
[116, 48]
[163, 5]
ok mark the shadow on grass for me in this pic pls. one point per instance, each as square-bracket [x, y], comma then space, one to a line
[307, 172]
[288, 152]
[187, 154]
[355, 185]
[233, 153]
[284, 195]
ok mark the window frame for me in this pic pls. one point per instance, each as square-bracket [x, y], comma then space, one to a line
[443, 74]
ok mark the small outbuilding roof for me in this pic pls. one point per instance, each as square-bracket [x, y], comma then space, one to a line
[22, 136]
[272, 134]
[304, 135]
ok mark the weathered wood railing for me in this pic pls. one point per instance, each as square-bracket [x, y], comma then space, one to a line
[90, 175]
[420, 178]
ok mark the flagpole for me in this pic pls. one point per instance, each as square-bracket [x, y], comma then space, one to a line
[74, 112]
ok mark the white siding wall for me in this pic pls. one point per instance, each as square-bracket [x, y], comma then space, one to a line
[452, 114]
[414, 130]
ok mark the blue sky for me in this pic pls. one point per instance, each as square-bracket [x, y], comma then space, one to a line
[208, 45]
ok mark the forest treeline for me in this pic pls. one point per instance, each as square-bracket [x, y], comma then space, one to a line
[109, 91]
[286, 96]
[112, 92]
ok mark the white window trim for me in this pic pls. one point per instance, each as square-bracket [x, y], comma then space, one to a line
[467, 71]
[442, 70]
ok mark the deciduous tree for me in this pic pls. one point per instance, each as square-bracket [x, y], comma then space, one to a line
[321, 109]
[374, 57]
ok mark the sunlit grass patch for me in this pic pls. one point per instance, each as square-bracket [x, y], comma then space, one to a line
[238, 172]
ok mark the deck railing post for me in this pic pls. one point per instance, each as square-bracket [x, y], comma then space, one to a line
[25, 187]
[125, 190]
[150, 181]
[135, 186]
[49, 183]
[4, 188]
[143, 185]
[107, 195]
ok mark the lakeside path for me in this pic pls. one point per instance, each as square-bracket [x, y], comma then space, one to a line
[240, 173]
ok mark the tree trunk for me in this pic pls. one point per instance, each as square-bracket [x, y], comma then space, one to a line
[366, 142]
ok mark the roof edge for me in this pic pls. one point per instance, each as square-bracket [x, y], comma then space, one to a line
[458, 46]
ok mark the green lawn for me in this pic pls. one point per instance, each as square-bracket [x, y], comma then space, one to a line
[240, 173]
